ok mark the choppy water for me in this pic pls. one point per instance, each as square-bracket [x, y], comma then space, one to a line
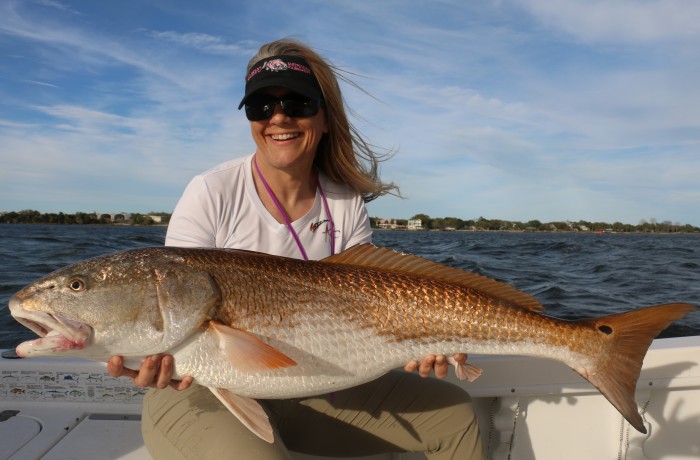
[573, 275]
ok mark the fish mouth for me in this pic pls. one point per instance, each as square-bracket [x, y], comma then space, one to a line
[56, 333]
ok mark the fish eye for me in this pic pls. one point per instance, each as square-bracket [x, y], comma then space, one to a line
[77, 284]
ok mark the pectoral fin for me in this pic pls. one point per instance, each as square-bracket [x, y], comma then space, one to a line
[248, 411]
[465, 371]
[247, 352]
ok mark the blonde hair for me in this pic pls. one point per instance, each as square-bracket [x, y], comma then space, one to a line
[343, 154]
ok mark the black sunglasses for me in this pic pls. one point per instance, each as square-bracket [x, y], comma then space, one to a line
[261, 107]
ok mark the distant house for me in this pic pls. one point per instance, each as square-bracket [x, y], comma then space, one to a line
[156, 219]
[386, 223]
[389, 224]
[414, 224]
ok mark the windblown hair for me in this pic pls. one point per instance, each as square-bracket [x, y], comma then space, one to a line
[343, 154]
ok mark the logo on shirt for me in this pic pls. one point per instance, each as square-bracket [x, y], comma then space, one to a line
[314, 226]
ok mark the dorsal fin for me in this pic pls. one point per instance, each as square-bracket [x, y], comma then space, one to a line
[371, 256]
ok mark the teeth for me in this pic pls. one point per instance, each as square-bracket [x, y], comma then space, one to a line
[284, 137]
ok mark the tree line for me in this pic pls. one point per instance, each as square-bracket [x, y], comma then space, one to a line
[30, 216]
[428, 223]
[483, 224]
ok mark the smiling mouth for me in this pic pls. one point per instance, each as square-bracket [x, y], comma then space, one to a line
[284, 137]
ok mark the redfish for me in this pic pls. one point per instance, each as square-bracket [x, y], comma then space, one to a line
[254, 326]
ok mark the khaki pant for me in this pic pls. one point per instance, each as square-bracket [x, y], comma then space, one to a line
[399, 412]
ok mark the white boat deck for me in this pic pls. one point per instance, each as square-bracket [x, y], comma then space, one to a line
[58, 409]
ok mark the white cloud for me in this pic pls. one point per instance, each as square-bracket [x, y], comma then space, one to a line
[619, 21]
[206, 43]
[57, 5]
[42, 83]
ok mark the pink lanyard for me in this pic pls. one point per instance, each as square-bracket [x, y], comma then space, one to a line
[286, 219]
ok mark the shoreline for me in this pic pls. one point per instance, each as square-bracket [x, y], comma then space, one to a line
[378, 229]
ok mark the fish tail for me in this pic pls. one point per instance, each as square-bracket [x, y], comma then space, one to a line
[626, 337]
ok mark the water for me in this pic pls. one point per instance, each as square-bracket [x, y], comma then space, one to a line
[573, 275]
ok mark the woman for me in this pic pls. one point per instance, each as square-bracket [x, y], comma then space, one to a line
[301, 194]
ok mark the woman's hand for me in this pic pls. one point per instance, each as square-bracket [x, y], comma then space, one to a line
[438, 363]
[156, 371]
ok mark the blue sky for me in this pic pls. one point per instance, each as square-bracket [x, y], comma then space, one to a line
[510, 109]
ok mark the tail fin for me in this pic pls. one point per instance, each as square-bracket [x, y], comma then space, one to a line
[628, 336]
